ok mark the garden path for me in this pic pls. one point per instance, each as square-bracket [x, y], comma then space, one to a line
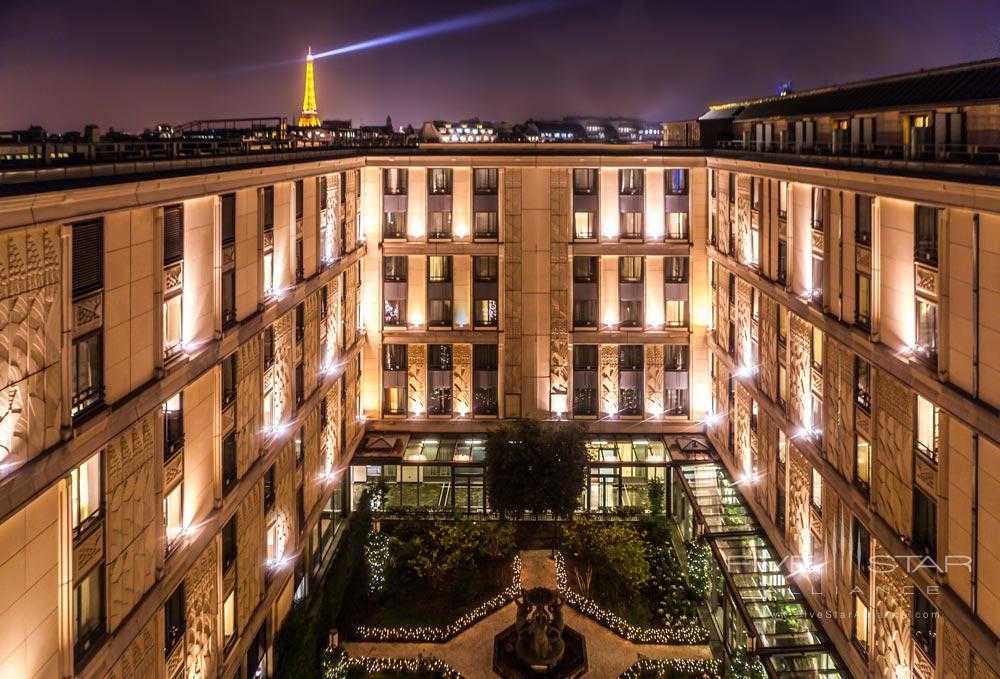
[471, 651]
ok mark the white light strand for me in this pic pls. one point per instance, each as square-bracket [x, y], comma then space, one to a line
[680, 634]
[439, 634]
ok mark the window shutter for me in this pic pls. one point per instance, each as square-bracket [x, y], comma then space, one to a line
[173, 234]
[88, 257]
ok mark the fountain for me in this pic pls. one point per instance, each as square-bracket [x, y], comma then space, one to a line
[539, 644]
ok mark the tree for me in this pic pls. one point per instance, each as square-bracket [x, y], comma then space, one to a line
[534, 468]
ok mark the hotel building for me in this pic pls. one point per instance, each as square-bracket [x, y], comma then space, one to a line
[787, 317]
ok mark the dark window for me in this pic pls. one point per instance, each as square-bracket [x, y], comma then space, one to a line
[925, 249]
[630, 379]
[228, 297]
[88, 371]
[321, 188]
[88, 257]
[485, 180]
[782, 274]
[439, 291]
[229, 461]
[300, 267]
[779, 509]
[924, 629]
[863, 220]
[394, 180]
[675, 357]
[818, 208]
[324, 415]
[732, 187]
[300, 322]
[675, 269]
[394, 290]
[485, 302]
[677, 182]
[861, 547]
[924, 524]
[229, 219]
[267, 207]
[484, 377]
[299, 190]
[269, 488]
[585, 291]
[439, 363]
[173, 234]
[228, 380]
[439, 181]
[862, 383]
[631, 182]
[584, 181]
[88, 612]
[927, 330]
[585, 382]
[863, 300]
[268, 347]
[173, 425]
[394, 379]
[631, 290]
[300, 384]
[229, 537]
[175, 619]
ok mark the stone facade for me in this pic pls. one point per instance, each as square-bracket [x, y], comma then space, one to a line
[201, 603]
[512, 270]
[893, 452]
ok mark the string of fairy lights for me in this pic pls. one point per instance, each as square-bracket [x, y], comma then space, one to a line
[670, 667]
[424, 665]
[680, 634]
[445, 632]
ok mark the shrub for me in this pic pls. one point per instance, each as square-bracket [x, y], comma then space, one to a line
[657, 496]
[615, 551]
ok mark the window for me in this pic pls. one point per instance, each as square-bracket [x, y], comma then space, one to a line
[675, 401]
[229, 461]
[439, 291]
[928, 417]
[861, 623]
[228, 213]
[229, 542]
[676, 183]
[394, 379]
[782, 272]
[860, 547]
[585, 380]
[731, 177]
[298, 443]
[817, 349]
[924, 630]
[439, 181]
[863, 303]
[322, 189]
[818, 208]
[87, 489]
[300, 322]
[631, 182]
[630, 380]
[782, 448]
[484, 378]
[267, 226]
[925, 247]
[394, 291]
[485, 206]
[269, 488]
[630, 290]
[584, 203]
[816, 491]
[927, 330]
[754, 415]
[439, 378]
[174, 625]
[394, 180]
[173, 324]
[228, 380]
[173, 234]
[782, 325]
[88, 257]
[677, 225]
[88, 611]
[299, 196]
[485, 180]
[485, 279]
[394, 225]
[817, 277]
[782, 200]
[756, 186]
[924, 524]
[862, 463]
[675, 269]
[863, 220]
[779, 509]
[268, 347]
[88, 372]
[229, 619]
[173, 514]
[585, 291]
[862, 383]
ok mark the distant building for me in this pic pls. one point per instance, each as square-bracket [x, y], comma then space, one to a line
[471, 131]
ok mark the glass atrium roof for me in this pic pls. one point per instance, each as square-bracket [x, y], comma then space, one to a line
[717, 500]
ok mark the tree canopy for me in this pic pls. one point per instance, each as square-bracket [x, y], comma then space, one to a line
[534, 468]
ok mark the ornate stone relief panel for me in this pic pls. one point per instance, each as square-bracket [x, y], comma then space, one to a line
[131, 506]
[767, 368]
[141, 658]
[893, 452]
[283, 370]
[838, 405]
[462, 377]
[799, 369]
[743, 218]
[248, 403]
[201, 607]
[559, 275]
[654, 378]
[891, 613]
[512, 282]
[310, 344]
[609, 377]
[416, 361]
[250, 555]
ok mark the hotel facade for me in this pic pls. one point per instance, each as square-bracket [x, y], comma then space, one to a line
[788, 317]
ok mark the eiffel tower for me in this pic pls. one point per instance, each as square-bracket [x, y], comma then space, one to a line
[310, 116]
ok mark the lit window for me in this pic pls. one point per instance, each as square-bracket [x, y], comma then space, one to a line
[87, 492]
[173, 514]
[862, 462]
[229, 619]
[816, 491]
[173, 327]
[928, 425]
[860, 622]
[88, 610]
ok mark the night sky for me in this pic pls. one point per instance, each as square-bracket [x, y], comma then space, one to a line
[131, 64]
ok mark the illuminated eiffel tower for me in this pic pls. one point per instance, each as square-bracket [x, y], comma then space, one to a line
[310, 116]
